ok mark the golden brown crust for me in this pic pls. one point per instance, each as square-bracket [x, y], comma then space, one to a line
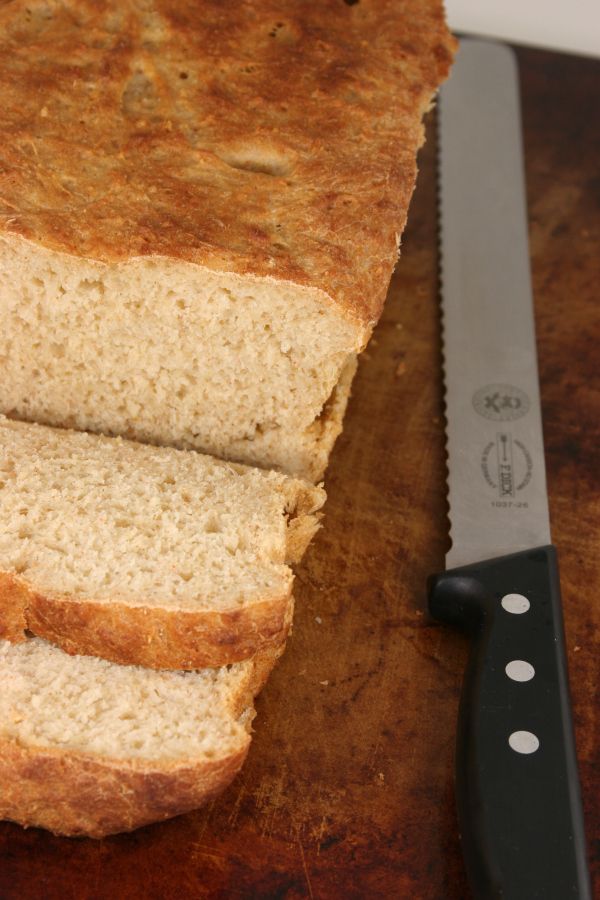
[72, 793]
[14, 600]
[303, 518]
[262, 666]
[149, 636]
[271, 139]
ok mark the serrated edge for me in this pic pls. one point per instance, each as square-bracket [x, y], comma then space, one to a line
[442, 311]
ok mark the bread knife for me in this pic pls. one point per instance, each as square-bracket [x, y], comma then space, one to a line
[517, 786]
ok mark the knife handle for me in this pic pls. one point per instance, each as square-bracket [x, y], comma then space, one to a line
[517, 786]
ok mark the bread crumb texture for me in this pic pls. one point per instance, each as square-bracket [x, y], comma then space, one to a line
[199, 212]
[92, 748]
[109, 519]
[51, 699]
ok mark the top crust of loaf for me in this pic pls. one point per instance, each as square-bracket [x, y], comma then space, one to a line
[272, 139]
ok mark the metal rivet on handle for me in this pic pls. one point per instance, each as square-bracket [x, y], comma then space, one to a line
[519, 670]
[523, 742]
[515, 603]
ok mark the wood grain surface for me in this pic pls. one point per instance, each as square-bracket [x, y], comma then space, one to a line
[348, 791]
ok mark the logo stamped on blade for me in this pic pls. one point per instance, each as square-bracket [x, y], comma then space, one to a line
[507, 466]
[501, 402]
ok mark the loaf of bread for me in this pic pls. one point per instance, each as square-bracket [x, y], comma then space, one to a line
[200, 210]
[145, 555]
[88, 747]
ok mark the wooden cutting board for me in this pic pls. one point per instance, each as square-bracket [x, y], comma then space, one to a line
[347, 792]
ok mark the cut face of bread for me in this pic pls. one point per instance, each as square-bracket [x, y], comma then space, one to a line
[145, 555]
[171, 353]
[200, 217]
[88, 747]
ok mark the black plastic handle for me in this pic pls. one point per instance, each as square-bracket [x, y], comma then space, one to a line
[518, 795]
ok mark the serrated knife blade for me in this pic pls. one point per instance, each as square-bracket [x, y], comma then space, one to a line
[496, 473]
[518, 794]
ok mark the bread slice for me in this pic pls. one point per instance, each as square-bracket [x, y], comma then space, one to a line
[145, 555]
[88, 747]
[201, 211]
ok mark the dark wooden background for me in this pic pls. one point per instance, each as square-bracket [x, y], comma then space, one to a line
[347, 791]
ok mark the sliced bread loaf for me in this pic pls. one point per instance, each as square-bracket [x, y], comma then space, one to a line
[145, 555]
[88, 747]
[200, 215]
